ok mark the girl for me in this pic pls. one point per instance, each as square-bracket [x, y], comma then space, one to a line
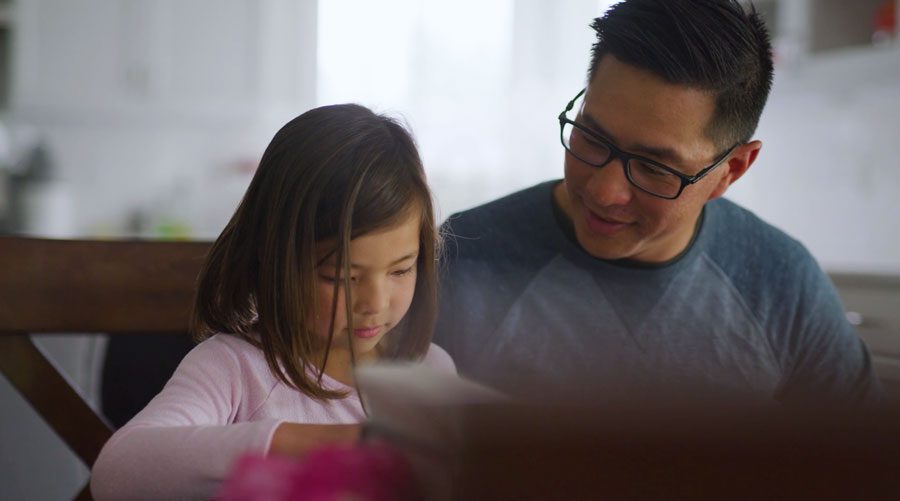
[328, 261]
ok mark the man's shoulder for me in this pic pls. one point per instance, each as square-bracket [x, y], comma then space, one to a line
[784, 286]
[761, 261]
[739, 234]
[515, 218]
[509, 208]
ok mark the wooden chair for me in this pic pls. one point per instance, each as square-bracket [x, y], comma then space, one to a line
[71, 287]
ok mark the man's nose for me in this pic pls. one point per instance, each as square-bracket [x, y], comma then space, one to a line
[608, 185]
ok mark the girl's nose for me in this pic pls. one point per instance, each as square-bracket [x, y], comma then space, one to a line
[371, 297]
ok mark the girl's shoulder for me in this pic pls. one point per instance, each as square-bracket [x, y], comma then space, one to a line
[230, 353]
[439, 359]
[219, 345]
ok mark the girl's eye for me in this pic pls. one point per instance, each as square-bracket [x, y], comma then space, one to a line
[403, 272]
[335, 280]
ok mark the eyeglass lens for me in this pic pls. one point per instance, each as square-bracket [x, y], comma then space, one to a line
[644, 175]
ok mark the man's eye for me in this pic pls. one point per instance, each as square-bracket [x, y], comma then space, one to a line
[587, 138]
[651, 170]
[595, 145]
[593, 141]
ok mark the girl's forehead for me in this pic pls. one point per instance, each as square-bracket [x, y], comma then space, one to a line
[381, 246]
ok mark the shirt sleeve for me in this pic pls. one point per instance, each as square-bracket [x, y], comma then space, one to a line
[184, 442]
[829, 362]
[437, 358]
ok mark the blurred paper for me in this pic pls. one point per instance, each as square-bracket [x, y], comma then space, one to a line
[416, 405]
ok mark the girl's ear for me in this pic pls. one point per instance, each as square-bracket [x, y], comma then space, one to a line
[736, 166]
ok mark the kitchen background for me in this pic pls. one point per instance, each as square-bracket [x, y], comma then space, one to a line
[146, 118]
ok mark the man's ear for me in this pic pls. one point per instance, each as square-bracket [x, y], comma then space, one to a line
[740, 161]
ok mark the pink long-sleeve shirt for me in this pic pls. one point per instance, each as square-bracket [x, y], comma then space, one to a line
[223, 401]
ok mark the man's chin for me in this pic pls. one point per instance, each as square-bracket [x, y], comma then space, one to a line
[606, 249]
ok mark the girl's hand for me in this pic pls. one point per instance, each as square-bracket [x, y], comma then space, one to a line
[295, 439]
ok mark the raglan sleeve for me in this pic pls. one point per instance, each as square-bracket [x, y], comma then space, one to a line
[827, 361]
[437, 358]
[184, 442]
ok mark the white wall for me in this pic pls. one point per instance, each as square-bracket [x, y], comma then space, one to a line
[159, 107]
[829, 170]
[481, 83]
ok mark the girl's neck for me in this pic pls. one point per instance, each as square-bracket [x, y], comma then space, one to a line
[339, 365]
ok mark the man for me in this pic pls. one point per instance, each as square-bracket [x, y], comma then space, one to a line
[633, 275]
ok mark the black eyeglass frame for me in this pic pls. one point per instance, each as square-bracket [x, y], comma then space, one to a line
[625, 157]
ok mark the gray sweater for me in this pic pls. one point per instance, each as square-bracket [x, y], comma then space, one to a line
[744, 311]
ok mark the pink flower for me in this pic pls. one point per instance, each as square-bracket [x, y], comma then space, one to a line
[365, 472]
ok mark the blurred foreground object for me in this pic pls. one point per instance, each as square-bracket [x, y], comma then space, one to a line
[366, 472]
[465, 441]
[673, 452]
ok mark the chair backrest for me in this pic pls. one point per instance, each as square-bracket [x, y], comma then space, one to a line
[80, 286]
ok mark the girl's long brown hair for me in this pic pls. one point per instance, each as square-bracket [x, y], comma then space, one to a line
[333, 173]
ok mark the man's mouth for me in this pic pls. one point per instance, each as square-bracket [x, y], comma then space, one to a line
[602, 225]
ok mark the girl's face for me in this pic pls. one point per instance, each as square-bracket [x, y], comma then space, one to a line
[383, 279]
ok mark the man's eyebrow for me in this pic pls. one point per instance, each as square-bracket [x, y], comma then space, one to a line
[661, 153]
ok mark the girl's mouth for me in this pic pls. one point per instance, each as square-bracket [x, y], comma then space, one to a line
[367, 332]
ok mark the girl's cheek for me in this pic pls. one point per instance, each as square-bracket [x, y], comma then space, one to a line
[325, 296]
[409, 294]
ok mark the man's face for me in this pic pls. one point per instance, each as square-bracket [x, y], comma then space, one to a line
[643, 115]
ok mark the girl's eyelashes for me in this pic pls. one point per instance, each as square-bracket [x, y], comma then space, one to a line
[337, 279]
[334, 279]
[404, 272]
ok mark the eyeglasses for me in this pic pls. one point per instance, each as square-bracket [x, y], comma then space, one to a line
[647, 175]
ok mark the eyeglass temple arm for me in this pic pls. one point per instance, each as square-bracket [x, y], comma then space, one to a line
[571, 104]
[700, 175]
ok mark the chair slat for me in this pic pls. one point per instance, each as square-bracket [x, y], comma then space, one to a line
[81, 286]
[53, 397]
[97, 286]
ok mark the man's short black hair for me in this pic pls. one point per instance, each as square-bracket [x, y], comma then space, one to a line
[712, 45]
